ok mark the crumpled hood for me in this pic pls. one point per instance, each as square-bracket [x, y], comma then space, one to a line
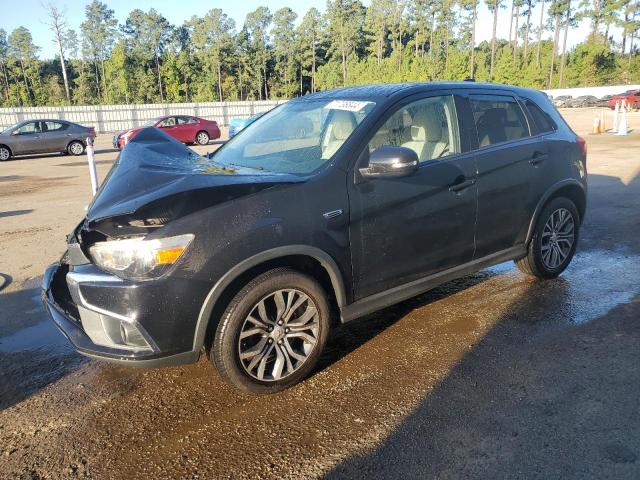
[155, 166]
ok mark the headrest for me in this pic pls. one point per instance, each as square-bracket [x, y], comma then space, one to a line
[342, 124]
[418, 134]
[495, 116]
[430, 119]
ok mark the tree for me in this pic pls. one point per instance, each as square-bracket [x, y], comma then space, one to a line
[4, 51]
[284, 46]
[309, 33]
[99, 33]
[212, 36]
[540, 30]
[58, 26]
[257, 25]
[345, 22]
[494, 6]
[21, 46]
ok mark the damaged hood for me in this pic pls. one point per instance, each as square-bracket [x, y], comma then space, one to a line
[156, 169]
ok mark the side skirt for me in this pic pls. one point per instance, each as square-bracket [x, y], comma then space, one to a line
[400, 293]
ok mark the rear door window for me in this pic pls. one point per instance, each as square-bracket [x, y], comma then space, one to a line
[498, 119]
[54, 126]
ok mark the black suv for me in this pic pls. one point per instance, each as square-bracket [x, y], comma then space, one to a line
[327, 208]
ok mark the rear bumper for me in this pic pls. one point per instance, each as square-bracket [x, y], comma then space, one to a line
[94, 331]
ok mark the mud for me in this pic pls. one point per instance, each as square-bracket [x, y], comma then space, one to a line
[491, 376]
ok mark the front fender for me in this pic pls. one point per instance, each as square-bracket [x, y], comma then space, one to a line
[327, 262]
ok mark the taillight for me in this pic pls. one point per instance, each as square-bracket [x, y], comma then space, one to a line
[582, 143]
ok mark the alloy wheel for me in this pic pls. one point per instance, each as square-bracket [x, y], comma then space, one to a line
[558, 237]
[4, 153]
[76, 148]
[203, 138]
[278, 335]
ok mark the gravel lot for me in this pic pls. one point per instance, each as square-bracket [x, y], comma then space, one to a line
[491, 376]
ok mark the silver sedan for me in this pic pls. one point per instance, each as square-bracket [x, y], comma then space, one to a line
[44, 136]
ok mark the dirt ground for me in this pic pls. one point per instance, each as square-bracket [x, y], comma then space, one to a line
[490, 376]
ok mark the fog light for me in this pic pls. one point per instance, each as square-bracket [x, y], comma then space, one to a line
[131, 336]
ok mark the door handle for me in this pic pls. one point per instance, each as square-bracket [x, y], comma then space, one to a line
[457, 187]
[537, 158]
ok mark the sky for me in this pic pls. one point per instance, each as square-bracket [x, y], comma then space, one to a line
[31, 14]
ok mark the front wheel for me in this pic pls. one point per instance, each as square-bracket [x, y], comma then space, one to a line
[554, 240]
[5, 153]
[76, 148]
[202, 138]
[272, 333]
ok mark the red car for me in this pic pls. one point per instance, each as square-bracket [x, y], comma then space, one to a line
[181, 127]
[631, 96]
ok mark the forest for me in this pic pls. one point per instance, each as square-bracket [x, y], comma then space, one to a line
[275, 55]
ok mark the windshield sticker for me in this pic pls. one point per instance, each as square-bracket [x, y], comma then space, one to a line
[349, 105]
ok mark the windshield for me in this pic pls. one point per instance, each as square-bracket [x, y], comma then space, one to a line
[299, 137]
[11, 128]
[151, 122]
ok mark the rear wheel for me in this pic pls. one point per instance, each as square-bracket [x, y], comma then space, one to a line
[5, 153]
[202, 138]
[272, 333]
[554, 241]
[76, 148]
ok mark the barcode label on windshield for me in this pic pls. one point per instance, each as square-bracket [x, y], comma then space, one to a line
[349, 105]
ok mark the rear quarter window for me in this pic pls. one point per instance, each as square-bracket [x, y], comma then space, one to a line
[542, 120]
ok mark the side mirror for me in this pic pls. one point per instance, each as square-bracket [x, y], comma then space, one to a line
[388, 161]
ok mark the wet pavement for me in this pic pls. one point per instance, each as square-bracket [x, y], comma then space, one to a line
[494, 375]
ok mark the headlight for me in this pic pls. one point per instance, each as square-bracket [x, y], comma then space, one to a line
[139, 259]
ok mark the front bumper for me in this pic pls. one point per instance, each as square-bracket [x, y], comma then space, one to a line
[100, 333]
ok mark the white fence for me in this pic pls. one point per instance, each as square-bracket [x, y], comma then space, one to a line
[595, 91]
[110, 118]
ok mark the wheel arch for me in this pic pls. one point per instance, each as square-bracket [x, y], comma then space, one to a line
[307, 259]
[571, 189]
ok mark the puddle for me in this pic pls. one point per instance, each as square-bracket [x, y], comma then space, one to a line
[41, 335]
[10, 178]
[595, 283]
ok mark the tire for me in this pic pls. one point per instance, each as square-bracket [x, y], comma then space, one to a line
[289, 351]
[75, 148]
[5, 153]
[545, 258]
[202, 138]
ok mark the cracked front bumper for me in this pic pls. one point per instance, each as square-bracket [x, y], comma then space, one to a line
[75, 301]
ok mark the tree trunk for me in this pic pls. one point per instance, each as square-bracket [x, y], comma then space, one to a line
[526, 35]
[515, 36]
[493, 37]
[159, 76]
[313, 63]
[513, 5]
[219, 75]
[433, 27]
[564, 44]
[64, 67]
[540, 34]
[556, 39]
[6, 81]
[473, 38]
[24, 77]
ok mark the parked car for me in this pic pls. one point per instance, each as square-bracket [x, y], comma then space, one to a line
[183, 128]
[254, 252]
[561, 100]
[632, 97]
[44, 136]
[582, 101]
[238, 123]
